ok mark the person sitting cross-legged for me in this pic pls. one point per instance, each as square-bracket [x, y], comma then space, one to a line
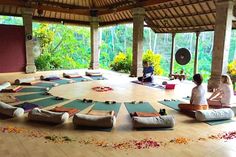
[147, 72]
[198, 99]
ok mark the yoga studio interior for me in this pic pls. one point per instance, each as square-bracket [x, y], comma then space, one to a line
[98, 112]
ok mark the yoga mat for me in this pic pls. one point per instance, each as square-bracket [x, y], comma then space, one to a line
[48, 102]
[33, 89]
[149, 84]
[220, 122]
[186, 98]
[45, 85]
[107, 107]
[28, 97]
[140, 107]
[61, 81]
[97, 77]
[80, 79]
[78, 104]
[171, 104]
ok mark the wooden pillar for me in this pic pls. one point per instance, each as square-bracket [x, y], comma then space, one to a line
[196, 54]
[94, 23]
[138, 25]
[172, 57]
[27, 21]
[223, 28]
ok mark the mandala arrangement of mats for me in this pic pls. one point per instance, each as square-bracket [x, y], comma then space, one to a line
[174, 105]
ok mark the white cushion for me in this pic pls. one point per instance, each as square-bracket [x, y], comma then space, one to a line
[93, 73]
[70, 73]
[154, 122]
[215, 114]
[94, 121]
[42, 77]
[48, 116]
[5, 85]
[24, 80]
[11, 111]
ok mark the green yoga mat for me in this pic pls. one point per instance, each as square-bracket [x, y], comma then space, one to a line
[98, 78]
[48, 102]
[186, 98]
[45, 85]
[80, 79]
[171, 104]
[220, 122]
[78, 104]
[33, 89]
[61, 81]
[107, 107]
[140, 107]
[28, 97]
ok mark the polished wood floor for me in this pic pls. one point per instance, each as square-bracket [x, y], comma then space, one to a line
[193, 136]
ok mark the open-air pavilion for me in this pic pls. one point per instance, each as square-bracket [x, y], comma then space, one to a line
[162, 16]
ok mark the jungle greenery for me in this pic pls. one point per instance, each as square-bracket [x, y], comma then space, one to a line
[68, 47]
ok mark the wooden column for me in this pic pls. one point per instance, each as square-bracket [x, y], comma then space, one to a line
[94, 23]
[138, 25]
[196, 54]
[27, 21]
[223, 27]
[172, 57]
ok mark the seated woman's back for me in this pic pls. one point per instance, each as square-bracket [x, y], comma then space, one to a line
[228, 93]
[199, 95]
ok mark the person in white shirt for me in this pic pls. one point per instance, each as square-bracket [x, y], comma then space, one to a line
[198, 99]
[223, 96]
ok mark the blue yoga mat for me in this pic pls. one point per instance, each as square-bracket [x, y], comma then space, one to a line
[48, 102]
[107, 107]
[29, 97]
[98, 78]
[80, 79]
[171, 104]
[78, 104]
[140, 107]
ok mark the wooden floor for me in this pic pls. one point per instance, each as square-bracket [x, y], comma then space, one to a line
[188, 138]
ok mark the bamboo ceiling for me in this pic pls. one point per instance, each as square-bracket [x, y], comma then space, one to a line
[163, 16]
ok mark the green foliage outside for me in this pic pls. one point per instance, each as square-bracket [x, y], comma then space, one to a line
[154, 60]
[232, 68]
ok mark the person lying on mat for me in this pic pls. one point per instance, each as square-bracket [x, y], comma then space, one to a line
[147, 72]
[223, 96]
[198, 99]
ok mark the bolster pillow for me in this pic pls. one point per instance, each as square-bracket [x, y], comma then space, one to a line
[24, 80]
[48, 116]
[5, 85]
[11, 111]
[94, 121]
[216, 114]
[154, 122]
[70, 73]
[43, 77]
[93, 73]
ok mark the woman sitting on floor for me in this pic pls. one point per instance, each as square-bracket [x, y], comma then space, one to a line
[147, 72]
[223, 96]
[198, 97]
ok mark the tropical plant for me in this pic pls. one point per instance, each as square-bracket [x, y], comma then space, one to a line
[232, 68]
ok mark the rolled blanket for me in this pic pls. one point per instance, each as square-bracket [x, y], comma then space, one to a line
[49, 77]
[11, 111]
[215, 114]
[71, 74]
[47, 116]
[93, 73]
[24, 80]
[94, 121]
[5, 85]
[154, 122]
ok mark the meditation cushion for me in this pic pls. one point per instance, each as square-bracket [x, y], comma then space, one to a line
[11, 111]
[93, 73]
[215, 114]
[94, 120]
[154, 122]
[190, 107]
[5, 85]
[48, 116]
[49, 77]
[24, 80]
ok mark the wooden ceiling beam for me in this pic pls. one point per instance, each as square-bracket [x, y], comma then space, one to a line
[110, 23]
[143, 3]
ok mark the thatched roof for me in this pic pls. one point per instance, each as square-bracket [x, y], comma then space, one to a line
[161, 15]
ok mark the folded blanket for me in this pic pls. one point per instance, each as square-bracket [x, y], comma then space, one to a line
[70, 111]
[28, 106]
[154, 122]
[11, 111]
[144, 114]
[101, 113]
[4, 85]
[8, 98]
[25, 80]
[94, 121]
[49, 77]
[215, 114]
[48, 116]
